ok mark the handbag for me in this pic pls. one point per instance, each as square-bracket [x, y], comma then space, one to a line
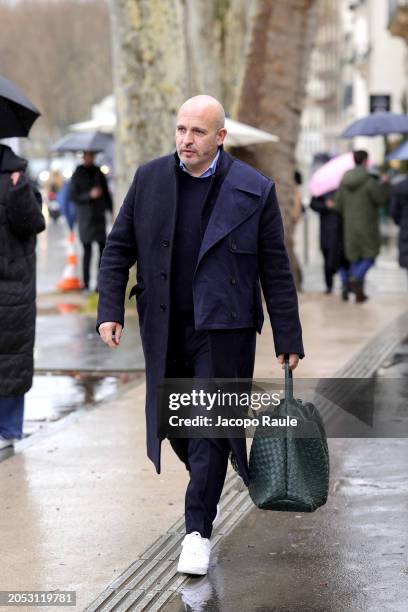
[286, 471]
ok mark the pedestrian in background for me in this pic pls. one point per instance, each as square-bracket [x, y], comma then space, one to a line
[358, 200]
[399, 212]
[53, 186]
[20, 221]
[89, 190]
[331, 242]
[67, 206]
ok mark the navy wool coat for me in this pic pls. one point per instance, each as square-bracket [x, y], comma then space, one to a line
[243, 241]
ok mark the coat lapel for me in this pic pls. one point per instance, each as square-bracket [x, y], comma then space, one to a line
[168, 203]
[238, 199]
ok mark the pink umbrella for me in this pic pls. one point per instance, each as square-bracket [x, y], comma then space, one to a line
[328, 177]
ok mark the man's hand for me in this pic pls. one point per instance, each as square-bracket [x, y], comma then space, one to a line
[110, 333]
[95, 193]
[14, 178]
[293, 360]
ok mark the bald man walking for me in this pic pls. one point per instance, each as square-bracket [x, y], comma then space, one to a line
[206, 233]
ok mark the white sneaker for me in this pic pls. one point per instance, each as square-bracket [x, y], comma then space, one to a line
[6, 442]
[195, 555]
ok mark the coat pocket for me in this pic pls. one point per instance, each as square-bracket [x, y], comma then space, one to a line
[136, 290]
[242, 244]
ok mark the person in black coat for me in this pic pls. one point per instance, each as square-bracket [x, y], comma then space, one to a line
[331, 242]
[206, 233]
[89, 190]
[20, 221]
[399, 212]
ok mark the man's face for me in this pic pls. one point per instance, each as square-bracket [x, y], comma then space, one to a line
[198, 137]
[89, 158]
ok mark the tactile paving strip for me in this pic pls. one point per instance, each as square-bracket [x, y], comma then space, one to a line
[366, 362]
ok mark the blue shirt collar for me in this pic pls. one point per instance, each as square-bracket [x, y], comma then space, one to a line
[210, 170]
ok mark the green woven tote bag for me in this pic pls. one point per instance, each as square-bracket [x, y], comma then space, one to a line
[287, 472]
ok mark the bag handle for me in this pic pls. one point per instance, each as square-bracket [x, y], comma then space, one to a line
[288, 379]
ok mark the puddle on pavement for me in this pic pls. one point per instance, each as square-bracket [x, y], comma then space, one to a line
[54, 396]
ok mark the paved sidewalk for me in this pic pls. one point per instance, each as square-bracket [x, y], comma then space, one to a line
[79, 506]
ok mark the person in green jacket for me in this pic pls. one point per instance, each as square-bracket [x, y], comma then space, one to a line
[358, 200]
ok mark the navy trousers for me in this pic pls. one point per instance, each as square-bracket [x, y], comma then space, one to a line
[206, 354]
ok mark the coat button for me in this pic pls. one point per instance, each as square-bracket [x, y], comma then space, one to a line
[233, 245]
[165, 243]
[233, 281]
[163, 307]
[233, 314]
[251, 310]
[163, 275]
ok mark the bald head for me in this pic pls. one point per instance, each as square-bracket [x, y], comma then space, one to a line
[199, 132]
[206, 105]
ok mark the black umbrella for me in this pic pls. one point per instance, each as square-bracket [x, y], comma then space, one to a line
[377, 124]
[83, 141]
[17, 114]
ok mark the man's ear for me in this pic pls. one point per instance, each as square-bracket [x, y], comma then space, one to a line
[222, 132]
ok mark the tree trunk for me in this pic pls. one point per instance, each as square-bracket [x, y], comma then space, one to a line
[165, 51]
[150, 81]
[272, 92]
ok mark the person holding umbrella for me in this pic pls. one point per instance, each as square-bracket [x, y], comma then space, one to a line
[89, 190]
[331, 242]
[21, 220]
[323, 186]
[358, 200]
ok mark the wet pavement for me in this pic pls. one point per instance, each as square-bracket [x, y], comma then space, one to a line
[53, 397]
[352, 554]
[74, 370]
[70, 343]
[51, 256]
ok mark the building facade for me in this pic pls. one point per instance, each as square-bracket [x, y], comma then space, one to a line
[357, 66]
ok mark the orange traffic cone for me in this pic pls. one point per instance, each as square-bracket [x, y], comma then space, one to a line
[69, 280]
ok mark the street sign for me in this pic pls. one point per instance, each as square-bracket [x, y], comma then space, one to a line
[380, 103]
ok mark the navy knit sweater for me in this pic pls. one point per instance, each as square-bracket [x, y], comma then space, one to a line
[189, 230]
